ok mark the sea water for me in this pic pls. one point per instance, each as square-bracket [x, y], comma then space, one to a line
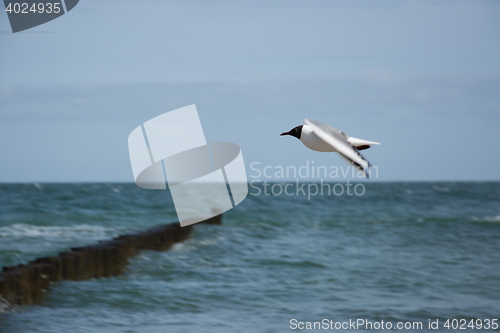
[398, 253]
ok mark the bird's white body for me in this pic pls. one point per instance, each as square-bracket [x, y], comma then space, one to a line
[324, 138]
[312, 141]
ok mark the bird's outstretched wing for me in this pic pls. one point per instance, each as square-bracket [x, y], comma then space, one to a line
[338, 140]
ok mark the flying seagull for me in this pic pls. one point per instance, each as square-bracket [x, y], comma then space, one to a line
[321, 137]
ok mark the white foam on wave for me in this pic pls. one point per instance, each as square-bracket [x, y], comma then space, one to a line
[487, 219]
[441, 188]
[193, 244]
[115, 188]
[4, 306]
[75, 231]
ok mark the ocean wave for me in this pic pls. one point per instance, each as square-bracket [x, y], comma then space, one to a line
[81, 230]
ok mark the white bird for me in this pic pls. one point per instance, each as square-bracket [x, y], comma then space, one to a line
[321, 137]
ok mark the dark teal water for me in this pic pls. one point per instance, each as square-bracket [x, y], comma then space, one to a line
[402, 252]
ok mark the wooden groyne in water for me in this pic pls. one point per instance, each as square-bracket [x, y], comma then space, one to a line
[26, 284]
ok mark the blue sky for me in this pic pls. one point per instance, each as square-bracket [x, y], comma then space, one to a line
[419, 77]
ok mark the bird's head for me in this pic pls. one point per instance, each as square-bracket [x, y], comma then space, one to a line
[296, 132]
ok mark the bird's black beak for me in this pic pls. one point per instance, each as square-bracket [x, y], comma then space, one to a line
[285, 133]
